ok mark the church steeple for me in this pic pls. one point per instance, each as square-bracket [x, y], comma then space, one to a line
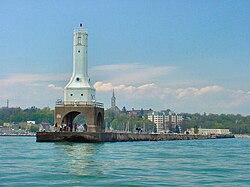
[113, 105]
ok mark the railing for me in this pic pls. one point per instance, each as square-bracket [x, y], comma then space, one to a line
[80, 29]
[80, 103]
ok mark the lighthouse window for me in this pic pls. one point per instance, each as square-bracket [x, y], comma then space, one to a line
[71, 94]
[79, 40]
[81, 94]
[79, 51]
[77, 79]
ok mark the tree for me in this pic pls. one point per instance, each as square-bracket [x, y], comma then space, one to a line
[34, 128]
[124, 110]
[155, 128]
[18, 115]
[177, 129]
[196, 129]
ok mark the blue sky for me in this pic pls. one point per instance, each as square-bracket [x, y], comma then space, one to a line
[189, 56]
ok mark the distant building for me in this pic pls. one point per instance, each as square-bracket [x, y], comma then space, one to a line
[210, 131]
[44, 127]
[24, 125]
[141, 112]
[113, 103]
[159, 119]
[31, 122]
[6, 125]
[166, 122]
[176, 118]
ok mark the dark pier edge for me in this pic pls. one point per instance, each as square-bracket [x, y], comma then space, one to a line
[87, 137]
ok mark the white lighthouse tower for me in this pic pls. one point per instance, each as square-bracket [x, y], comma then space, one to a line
[79, 94]
[79, 89]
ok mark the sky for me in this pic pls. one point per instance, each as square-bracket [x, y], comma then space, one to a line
[187, 56]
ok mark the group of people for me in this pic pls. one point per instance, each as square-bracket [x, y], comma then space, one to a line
[65, 127]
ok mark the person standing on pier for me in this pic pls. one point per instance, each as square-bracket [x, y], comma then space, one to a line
[71, 127]
[75, 127]
[56, 129]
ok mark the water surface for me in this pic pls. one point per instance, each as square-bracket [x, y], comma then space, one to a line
[223, 162]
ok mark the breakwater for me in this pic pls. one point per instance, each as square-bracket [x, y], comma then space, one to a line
[242, 135]
[117, 137]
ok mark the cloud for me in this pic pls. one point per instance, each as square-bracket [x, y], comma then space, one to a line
[197, 91]
[31, 89]
[53, 87]
[31, 78]
[153, 90]
[212, 98]
[207, 89]
[116, 67]
[100, 86]
[140, 88]
[134, 73]
[179, 92]
[237, 98]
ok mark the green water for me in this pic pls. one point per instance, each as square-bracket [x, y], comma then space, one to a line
[224, 162]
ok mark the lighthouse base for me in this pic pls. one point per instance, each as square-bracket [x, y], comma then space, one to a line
[93, 114]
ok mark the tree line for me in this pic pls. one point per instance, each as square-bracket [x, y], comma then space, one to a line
[237, 124]
[17, 115]
[121, 121]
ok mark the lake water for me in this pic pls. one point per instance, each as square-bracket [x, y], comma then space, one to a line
[222, 162]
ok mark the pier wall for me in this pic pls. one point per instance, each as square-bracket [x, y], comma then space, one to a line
[115, 137]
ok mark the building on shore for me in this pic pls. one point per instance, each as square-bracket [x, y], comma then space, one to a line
[141, 112]
[166, 122]
[114, 108]
[202, 131]
[159, 119]
[44, 127]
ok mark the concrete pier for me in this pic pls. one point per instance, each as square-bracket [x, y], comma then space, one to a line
[116, 137]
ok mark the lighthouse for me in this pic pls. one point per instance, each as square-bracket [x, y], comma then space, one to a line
[79, 88]
[79, 93]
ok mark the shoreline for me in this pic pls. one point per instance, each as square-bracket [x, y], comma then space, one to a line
[242, 135]
[33, 135]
